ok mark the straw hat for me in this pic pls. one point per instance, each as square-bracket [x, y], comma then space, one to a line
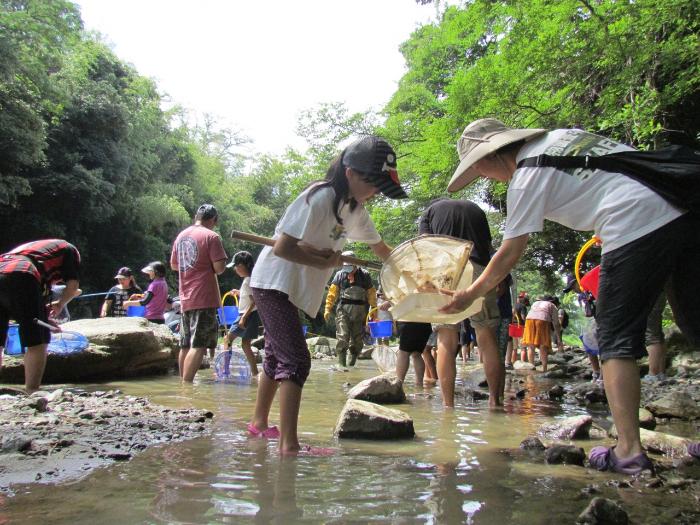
[479, 139]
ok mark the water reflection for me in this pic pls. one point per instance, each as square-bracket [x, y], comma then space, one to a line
[453, 472]
[179, 486]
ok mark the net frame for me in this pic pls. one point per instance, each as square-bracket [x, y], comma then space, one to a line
[417, 273]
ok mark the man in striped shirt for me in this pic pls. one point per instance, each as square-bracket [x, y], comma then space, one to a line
[26, 275]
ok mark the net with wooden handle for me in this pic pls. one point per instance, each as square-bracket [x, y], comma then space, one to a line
[267, 241]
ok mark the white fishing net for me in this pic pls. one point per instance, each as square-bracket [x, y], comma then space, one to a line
[419, 274]
[385, 358]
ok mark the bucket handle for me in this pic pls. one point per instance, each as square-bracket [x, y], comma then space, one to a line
[229, 294]
[579, 257]
[369, 314]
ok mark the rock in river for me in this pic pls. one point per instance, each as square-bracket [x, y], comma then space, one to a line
[365, 420]
[385, 388]
[120, 347]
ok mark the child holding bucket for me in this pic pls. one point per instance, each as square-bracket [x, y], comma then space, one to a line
[293, 273]
[155, 300]
[249, 321]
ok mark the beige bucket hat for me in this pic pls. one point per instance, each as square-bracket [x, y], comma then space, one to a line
[479, 139]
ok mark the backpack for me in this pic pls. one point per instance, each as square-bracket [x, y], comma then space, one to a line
[672, 172]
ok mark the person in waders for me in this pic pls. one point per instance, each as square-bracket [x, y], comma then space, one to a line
[354, 287]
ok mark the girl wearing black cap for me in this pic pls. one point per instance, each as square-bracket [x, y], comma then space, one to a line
[120, 293]
[293, 273]
[248, 323]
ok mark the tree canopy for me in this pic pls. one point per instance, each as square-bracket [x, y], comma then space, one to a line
[88, 154]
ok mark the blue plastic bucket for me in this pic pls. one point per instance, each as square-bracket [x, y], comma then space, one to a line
[136, 311]
[381, 328]
[13, 345]
[227, 315]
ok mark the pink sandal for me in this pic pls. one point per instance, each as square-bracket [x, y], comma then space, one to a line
[269, 433]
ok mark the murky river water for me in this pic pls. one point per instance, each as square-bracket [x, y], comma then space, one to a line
[453, 472]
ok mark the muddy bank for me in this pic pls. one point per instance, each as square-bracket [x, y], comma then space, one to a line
[52, 437]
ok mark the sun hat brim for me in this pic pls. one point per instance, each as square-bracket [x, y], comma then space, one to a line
[465, 173]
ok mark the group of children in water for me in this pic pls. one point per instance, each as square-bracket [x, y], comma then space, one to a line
[126, 293]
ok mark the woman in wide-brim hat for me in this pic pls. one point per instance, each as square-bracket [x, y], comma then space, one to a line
[646, 241]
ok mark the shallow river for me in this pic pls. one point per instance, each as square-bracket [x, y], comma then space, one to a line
[454, 471]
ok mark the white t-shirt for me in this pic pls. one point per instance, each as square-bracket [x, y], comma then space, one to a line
[314, 223]
[617, 208]
[245, 296]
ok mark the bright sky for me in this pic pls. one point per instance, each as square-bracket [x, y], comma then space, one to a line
[256, 64]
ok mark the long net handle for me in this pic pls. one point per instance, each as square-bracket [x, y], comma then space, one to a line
[266, 241]
[579, 257]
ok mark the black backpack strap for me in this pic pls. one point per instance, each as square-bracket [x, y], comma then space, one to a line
[555, 161]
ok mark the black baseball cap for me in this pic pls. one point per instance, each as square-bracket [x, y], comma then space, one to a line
[243, 257]
[206, 212]
[375, 159]
[124, 273]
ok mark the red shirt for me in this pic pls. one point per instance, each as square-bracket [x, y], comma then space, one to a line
[195, 251]
[49, 261]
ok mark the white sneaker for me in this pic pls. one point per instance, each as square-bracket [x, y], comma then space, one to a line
[650, 378]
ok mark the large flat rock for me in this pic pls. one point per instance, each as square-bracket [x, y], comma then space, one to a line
[120, 347]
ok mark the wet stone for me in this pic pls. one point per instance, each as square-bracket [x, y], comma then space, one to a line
[15, 444]
[576, 427]
[532, 443]
[601, 511]
[565, 454]
[589, 490]
[654, 483]
[556, 392]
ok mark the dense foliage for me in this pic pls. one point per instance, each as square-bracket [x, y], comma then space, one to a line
[88, 154]
[628, 70]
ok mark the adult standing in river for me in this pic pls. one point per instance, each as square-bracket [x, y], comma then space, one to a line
[354, 287]
[26, 276]
[646, 241]
[464, 219]
[198, 256]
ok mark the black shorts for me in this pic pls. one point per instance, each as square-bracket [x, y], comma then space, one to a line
[467, 334]
[252, 327]
[21, 299]
[631, 279]
[414, 336]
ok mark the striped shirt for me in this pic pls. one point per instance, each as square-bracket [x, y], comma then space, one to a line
[49, 261]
